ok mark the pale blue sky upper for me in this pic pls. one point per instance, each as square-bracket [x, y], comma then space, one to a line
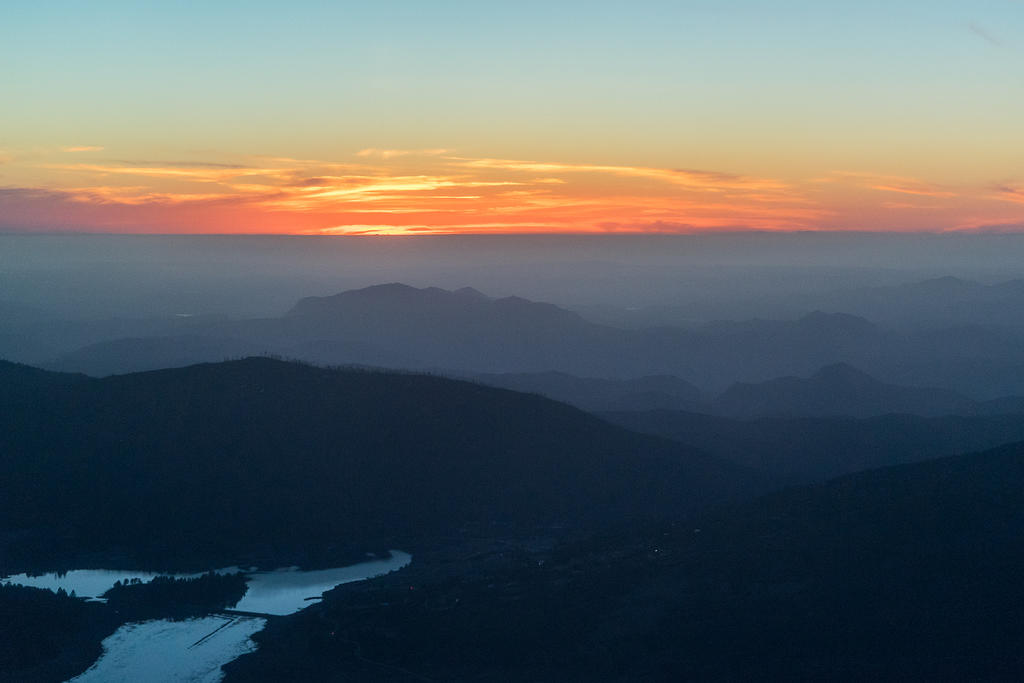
[438, 67]
[778, 88]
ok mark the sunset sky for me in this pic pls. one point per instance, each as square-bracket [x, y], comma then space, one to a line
[415, 116]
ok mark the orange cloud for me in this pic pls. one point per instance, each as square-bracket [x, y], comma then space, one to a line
[140, 195]
[1009, 193]
[698, 180]
[453, 194]
[431, 190]
[903, 185]
[392, 153]
[198, 173]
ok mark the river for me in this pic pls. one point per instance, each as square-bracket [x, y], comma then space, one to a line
[193, 650]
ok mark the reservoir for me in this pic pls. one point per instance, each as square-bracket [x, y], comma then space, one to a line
[194, 649]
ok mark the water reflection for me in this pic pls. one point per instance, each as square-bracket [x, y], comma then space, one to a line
[287, 590]
[282, 591]
[193, 650]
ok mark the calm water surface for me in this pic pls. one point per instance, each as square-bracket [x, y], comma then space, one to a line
[193, 650]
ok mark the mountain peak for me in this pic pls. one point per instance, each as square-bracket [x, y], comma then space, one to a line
[396, 293]
[385, 289]
[947, 283]
[471, 293]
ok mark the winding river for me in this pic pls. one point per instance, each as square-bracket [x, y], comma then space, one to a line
[194, 649]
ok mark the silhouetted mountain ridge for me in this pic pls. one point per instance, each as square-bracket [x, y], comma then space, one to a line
[396, 325]
[139, 354]
[242, 457]
[796, 450]
[838, 389]
[387, 300]
[652, 392]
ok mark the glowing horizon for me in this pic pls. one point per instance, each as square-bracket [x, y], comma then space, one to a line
[581, 118]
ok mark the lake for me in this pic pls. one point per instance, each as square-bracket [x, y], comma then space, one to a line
[194, 649]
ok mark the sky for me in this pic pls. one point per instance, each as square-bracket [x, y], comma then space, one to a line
[401, 116]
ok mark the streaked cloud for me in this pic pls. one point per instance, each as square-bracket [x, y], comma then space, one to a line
[83, 148]
[695, 179]
[393, 153]
[984, 34]
[900, 184]
[1010, 193]
[200, 173]
[377, 229]
[181, 164]
[433, 191]
[140, 196]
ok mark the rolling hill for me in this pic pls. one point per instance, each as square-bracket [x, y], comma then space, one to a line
[837, 390]
[653, 392]
[258, 456]
[795, 450]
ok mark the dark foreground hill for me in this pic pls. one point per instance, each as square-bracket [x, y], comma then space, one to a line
[907, 573]
[266, 459]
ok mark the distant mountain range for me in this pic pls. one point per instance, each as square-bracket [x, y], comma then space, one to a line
[833, 391]
[261, 459]
[795, 450]
[654, 392]
[138, 354]
[395, 325]
[935, 302]
[464, 332]
[839, 390]
[794, 430]
[944, 301]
